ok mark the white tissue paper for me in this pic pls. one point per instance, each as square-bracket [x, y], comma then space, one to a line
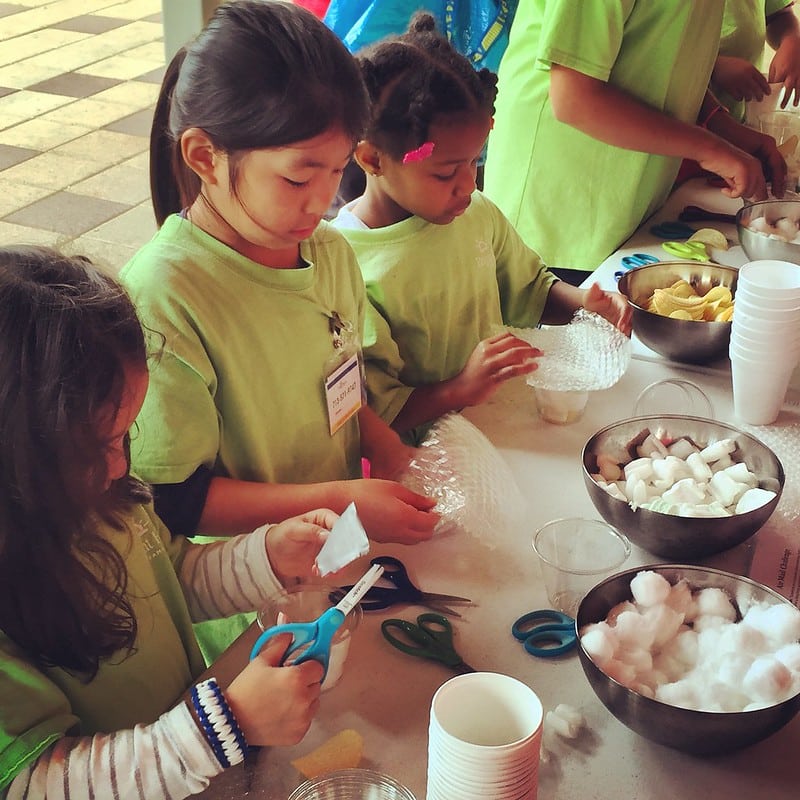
[473, 486]
[346, 542]
[587, 354]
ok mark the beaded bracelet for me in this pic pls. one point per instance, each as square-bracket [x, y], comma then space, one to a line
[218, 722]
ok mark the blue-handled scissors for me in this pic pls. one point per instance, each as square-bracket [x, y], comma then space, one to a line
[693, 251]
[430, 637]
[402, 590]
[312, 640]
[635, 260]
[546, 632]
[672, 229]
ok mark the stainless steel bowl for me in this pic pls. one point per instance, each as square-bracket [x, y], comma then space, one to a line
[667, 535]
[690, 341]
[759, 246]
[696, 732]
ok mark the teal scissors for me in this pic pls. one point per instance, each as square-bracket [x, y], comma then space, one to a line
[635, 260]
[546, 633]
[312, 640]
[693, 251]
[430, 637]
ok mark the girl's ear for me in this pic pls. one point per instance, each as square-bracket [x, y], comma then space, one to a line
[368, 157]
[200, 155]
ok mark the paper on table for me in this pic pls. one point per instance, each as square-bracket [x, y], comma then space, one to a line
[345, 543]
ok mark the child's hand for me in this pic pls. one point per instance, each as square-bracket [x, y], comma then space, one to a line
[612, 306]
[293, 545]
[390, 512]
[492, 362]
[740, 79]
[785, 69]
[275, 705]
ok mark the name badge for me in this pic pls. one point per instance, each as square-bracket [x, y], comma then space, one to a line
[343, 392]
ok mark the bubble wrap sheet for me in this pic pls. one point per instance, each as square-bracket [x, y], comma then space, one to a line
[587, 354]
[473, 486]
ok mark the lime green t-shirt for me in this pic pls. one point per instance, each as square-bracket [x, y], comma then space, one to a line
[41, 705]
[744, 31]
[572, 198]
[238, 387]
[444, 288]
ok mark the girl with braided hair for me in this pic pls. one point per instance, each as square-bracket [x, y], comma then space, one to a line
[441, 263]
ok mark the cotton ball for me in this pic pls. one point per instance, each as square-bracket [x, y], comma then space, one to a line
[682, 693]
[715, 602]
[571, 720]
[634, 630]
[768, 679]
[760, 225]
[649, 588]
[790, 655]
[641, 660]
[666, 623]
[787, 228]
[709, 622]
[625, 605]
[780, 623]
[622, 673]
[668, 666]
[721, 696]
[743, 638]
[646, 689]
[600, 642]
[733, 667]
[682, 600]
[683, 648]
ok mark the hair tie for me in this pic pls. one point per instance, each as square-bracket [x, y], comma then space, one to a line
[420, 154]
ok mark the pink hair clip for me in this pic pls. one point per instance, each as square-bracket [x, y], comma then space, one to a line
[420, 154]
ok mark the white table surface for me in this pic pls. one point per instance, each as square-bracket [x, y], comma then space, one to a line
[385, 695]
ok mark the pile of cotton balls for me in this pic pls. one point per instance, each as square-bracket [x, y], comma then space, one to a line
[683, 479]
[687, 649]
[785, 229]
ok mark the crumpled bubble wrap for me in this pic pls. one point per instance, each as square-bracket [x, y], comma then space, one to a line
[473, 486]
[587, 354]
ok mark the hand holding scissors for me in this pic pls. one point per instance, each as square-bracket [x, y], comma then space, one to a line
[402, 590]
[312, 640]
[546, 632]
[693, 251]
[430, 637]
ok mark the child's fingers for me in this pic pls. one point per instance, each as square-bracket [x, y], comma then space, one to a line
[274, 649]
[321, 517]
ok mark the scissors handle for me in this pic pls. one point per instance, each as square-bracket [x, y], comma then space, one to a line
[312, 638]
[545, 632]
[693, 251]
[430, 637]
[395, 572]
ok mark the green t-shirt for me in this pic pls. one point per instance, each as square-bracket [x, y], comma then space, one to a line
[238, 386]
[744, 31]
[444, 288]
[41, 705]
[572, 198]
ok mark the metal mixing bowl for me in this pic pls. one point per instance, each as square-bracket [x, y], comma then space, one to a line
[758, 245]
[696, 732]
[667, 535]
[694, 342]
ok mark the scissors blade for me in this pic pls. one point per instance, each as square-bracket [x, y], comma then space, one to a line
[440, 608]
[446, 598]
[360, 588]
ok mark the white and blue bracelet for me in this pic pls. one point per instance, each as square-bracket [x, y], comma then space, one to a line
[219, 724]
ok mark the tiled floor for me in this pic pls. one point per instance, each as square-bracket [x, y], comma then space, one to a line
[78, 81]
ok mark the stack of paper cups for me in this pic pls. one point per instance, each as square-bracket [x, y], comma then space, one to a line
[484, 738]
[765, 338]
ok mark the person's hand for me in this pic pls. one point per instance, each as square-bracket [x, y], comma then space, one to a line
[612, 306]
[275, 705]
[739, 78]
[493, 361]
[293, 545]
[785, 69]
[742, 172]
[390, 512]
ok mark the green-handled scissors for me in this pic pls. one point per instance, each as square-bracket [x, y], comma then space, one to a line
[692, 251]
[430, 637]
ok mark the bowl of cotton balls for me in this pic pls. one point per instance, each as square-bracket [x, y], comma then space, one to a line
[681, 487]
[693, 658]
[770, 229]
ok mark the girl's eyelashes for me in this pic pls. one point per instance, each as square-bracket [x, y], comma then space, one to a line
[296, 184]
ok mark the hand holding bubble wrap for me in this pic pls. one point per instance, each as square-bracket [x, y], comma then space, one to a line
[473, 486]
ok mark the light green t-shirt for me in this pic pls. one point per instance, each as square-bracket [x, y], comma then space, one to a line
[744, 31]
[41, 705]
[444, 288]
[238, 387]
[572, 198]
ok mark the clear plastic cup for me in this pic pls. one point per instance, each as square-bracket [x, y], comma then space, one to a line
[352, 784]
[780, 125]
[560, 407]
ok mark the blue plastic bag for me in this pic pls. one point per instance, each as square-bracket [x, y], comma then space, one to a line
[476, 28]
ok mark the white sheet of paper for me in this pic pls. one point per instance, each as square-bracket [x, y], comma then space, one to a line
[345, 543]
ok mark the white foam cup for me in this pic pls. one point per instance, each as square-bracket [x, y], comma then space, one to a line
[770, 278]
[774, 318]
[759, 388]
[777, 303]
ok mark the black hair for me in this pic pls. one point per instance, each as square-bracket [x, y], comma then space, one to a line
[416, 77]
[261, 74]
[68, 333]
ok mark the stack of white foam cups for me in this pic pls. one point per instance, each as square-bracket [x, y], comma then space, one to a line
[765, 338]
[484, 738]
